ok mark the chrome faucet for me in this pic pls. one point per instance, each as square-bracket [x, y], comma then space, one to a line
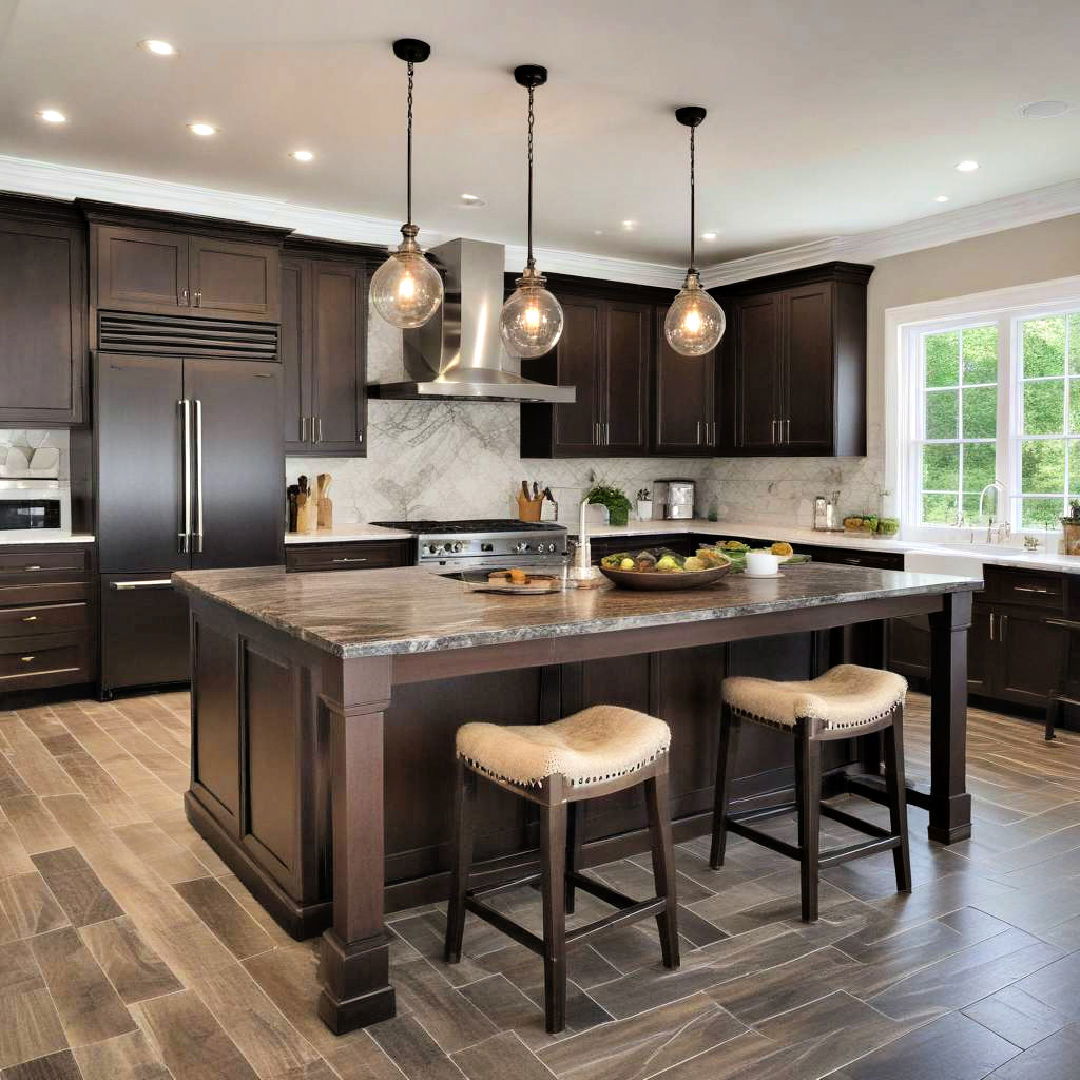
[995, 533]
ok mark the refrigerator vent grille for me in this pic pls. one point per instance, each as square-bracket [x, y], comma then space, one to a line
[184, 335]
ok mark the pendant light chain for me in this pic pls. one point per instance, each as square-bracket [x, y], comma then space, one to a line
[408, 147]
[693, 200]
[530, 262]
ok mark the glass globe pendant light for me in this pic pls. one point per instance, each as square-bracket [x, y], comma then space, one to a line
[407, 290]
[695, 322]
[532, 319]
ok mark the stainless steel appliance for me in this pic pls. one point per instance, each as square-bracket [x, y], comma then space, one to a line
[676, 498]
[189, 474]
[827, 513]
[29, 514]
[484, 543]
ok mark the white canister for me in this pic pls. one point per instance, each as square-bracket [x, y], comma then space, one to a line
[762, 563]
[644, 509]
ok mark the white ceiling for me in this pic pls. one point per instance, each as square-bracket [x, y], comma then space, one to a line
[825, 118]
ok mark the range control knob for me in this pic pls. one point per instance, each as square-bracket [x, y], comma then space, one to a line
[551, 547]
[457, 547]
[433, 549]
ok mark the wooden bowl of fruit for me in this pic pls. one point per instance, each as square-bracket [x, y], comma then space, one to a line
[657, 571]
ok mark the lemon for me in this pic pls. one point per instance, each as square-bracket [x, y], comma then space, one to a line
[782, 548]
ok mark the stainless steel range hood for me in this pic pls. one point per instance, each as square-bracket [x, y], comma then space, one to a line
[458, 353]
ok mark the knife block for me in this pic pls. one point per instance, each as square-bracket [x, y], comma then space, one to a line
[529, 509]
[306, 513]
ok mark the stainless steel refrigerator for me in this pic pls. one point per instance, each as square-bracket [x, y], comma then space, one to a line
[189, 474]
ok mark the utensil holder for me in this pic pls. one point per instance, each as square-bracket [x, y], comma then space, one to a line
[1071, 545]
[529, 509]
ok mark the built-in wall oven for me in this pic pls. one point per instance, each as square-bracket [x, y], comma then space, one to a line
[38, 513]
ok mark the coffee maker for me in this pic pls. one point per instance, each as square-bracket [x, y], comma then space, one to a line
[676, 498]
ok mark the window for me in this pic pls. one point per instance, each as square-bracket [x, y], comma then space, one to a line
[989, 398]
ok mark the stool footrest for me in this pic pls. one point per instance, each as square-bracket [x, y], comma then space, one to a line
[505, 886]
[601, 891]
[736, 825]
[507, 926]
[853, 822]
[639, 910]
[835, 856]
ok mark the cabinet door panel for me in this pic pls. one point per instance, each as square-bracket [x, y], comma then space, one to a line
[1030, 652]
[337, 356]
[295, 363]
[625, 419]
[141, 269]
[683, 398]
[42, 295]
[757, 373]
[579, 362]
[807, 409]
[981, 651]
[234, 279]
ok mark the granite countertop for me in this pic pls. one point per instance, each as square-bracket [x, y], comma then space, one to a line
[408, 609]
[43, 536]
[343, 534]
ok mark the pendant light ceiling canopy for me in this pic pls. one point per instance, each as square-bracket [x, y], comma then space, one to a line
[532, 319]
[407, 290]
[695, 322]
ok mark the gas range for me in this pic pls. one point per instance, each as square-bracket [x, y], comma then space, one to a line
[484, 543]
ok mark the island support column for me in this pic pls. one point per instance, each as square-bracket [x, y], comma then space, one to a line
[950, 804]
[355, 965]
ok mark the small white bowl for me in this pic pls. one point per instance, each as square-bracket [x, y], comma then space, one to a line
[762, 564]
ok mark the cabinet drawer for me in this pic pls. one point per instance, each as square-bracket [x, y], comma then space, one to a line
[364, 555]
[55, 592]
[1030, 588]
[878, 560]
[44, 619]
[47, 660]
[39, 565]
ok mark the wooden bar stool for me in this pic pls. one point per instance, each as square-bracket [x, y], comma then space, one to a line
[844, 702]
[1059, 695]
[595, 752]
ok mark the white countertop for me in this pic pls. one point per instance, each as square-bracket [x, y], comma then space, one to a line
[342, 534]
[913, 551]
[43, 536]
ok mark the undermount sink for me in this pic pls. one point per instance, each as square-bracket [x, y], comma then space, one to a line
[960, 546]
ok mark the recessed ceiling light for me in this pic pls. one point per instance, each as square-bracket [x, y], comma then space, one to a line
[1044, 110]
[52, 116]
[941, 198]
[708, 236]
[967, 165]
[301, 155]
[629, 224]
[471, 200]
[199, 127]
[598, 232]
[158, 47]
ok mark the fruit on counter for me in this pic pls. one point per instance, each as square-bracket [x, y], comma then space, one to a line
[627, 564]
[888, 526]
[612, 562]
[864, 522]
[694, 563]
[733, 545]
[711, 557]
[782, 548]
[667, 563]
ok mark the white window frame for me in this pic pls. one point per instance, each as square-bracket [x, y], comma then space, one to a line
[904, 392]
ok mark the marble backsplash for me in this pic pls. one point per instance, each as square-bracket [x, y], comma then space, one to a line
[459, 459]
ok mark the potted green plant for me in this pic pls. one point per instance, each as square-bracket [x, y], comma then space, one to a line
[644, 504]
[613, 498]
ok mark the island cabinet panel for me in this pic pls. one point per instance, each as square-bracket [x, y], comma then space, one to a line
[42, 314]
[792, 378]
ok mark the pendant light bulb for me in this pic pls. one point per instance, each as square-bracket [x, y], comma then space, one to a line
[531, 321]
[407, 290]
[695, 322]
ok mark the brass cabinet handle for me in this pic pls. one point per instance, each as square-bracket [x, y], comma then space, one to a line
[27, 659]
[29, 618]
[345, 559]
[1040, 589]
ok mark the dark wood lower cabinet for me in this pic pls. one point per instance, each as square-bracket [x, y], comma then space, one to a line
[350, 555]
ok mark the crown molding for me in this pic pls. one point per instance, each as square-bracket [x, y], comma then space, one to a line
[72, 182]
[947, 227]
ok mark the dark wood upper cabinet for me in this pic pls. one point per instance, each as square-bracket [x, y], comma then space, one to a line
[625, 379]
[234, 279]
[792, 378]
[44, 357]
[683, 399]
[323, 323]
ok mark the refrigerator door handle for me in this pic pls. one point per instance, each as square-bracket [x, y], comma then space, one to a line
[197, 537]
[183, 537]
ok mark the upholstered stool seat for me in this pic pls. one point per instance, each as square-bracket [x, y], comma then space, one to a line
[846, 701]
[847, 696]
[557, 766]
[594, 745]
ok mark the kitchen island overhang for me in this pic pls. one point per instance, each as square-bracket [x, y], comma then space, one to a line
[318, 698]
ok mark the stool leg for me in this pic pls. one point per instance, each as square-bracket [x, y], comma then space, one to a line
[808, 802]
[725, 759]
[658, 801]
[461, 853]
[573, 852]
[553, 871]
[896, 791]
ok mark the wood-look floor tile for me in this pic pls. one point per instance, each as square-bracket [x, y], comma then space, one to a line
[159, 851]
[36, 828]
[413, 1050]
[242, 895]
[128, 1057]
[644, 1044]
[584, 966]
[747, 1057]
[38, 771]
[449, 1017]
[158, 725]
[132, 966]
[12, 785]
[101, 791]
[634, 876]
[29, 1024]
[1057, 984]
[60, 1066]
[508, 1008]
[232, 924]
[953, 1047]
[77, 889]
[46, 725]
[175, 824]
[89, 1007]
[192, 1043]
[1018, 1016]
[30, 905]
[1054, 1058]
[13, 856]
[427, 935]
[500, 1056]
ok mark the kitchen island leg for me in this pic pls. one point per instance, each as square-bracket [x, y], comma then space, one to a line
[355, 962]
[949, 804]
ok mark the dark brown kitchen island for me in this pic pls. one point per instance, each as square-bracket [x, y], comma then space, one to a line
[324, 708]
